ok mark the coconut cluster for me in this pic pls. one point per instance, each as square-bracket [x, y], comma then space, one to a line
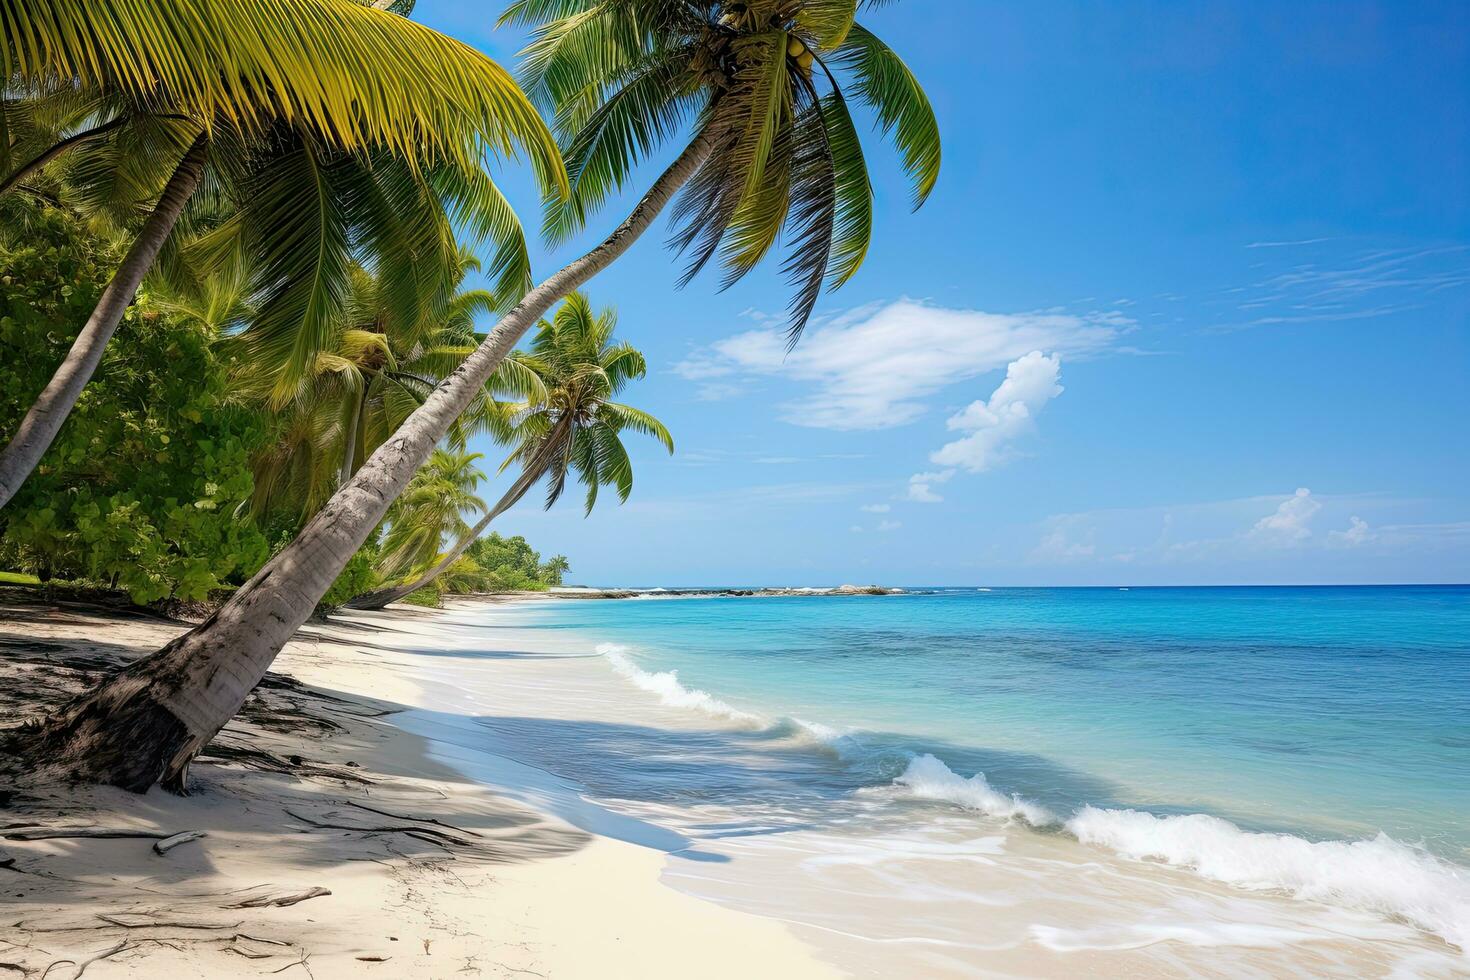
[797, 50]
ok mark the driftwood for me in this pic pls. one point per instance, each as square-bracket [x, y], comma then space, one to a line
[255, 954]
[145, 920]
[422, 833]
[281, 901]
[169, 843]
[59, 833]
[402, 816]
[82, 966]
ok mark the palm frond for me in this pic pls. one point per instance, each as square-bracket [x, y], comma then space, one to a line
[886, 84]
[353, 77]
[637, 420]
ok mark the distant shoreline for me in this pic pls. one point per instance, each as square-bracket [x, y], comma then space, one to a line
[576, 592]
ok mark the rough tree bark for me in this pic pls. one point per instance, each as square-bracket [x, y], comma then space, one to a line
[144, 724]
[39, 427]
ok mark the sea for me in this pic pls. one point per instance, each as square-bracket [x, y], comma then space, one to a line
[991, 781]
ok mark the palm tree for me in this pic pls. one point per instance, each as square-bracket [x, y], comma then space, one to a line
[432, 506]
[377, 367]
[308, 103]
[576, 426]
[625, 76]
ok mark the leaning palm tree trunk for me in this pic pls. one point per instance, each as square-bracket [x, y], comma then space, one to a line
[56, 150]
[533, 471]
[145, 723]
[43, 421]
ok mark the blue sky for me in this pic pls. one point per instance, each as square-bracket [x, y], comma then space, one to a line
[1190, 304]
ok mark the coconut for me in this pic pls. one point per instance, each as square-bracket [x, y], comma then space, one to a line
[806, 60]
[794, 47]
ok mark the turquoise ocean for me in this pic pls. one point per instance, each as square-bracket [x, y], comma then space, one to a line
[1308, 742]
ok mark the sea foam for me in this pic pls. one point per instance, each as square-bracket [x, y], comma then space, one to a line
[1378, 875]
[930, 779]
[665, 684]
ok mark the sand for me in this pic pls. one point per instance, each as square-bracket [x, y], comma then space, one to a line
[334, 845]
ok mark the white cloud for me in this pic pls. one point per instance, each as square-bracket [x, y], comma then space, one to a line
[1057, 545]
[1288, 525]
[1357, 533]
[856, 529]
[875, 508]
[873, 368]
[1030, 382]
[921, 486]
[889, 525]
[992, 424]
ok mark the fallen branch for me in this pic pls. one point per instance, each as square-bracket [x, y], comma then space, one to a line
[401, 816]
[117, 919]
[301, 963]
[94, 833]
[281, 901]
[169, 843]
[422, 833]
[82, 966]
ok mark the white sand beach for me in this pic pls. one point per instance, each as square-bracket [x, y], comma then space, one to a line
[334, 846]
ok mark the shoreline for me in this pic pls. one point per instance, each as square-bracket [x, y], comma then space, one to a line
[523, 726]
[336, 840]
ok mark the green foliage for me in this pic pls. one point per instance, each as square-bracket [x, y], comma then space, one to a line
[427, 596]
[768, 86]
[140, 488]
[431, 506]
[504, 565]
[358, 577]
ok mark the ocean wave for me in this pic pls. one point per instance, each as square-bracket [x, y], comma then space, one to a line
[1379, 875]
[927, 778]
[666, 685]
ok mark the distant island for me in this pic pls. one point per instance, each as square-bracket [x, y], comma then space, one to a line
[587, 592]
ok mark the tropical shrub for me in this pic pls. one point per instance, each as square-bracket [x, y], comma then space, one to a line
[139, 491]
[358, 577]
[511, 564]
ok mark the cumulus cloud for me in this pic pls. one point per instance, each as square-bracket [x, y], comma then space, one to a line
[1030, 382]
[992, 424]
[873, 368]
[1357, 533]
[921, 486]
[1288, 524]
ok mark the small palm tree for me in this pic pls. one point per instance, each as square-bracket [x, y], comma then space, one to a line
[433, 505]
[575, 428]
[377, 368]
[304, 107]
